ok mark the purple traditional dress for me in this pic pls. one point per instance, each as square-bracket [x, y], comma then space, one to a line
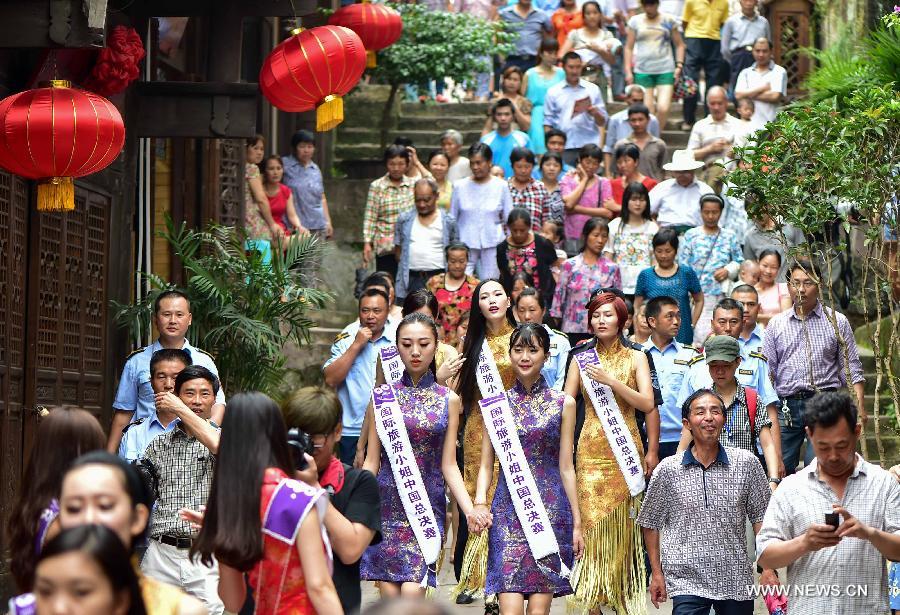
[511, 568]
[398, 558]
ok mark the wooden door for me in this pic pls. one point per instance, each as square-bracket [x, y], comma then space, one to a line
[789, 20]
[14, 205]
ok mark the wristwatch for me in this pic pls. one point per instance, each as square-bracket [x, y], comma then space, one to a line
[775, 480]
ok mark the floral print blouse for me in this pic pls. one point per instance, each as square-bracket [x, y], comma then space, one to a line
[452, 304]
[576, 281]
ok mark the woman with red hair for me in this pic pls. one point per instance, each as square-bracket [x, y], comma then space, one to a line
[615, 381]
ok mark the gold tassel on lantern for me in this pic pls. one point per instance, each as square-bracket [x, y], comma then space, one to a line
[56, 194]
[330, 113]
[370, 59]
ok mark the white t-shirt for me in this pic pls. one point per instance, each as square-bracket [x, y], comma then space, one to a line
[426, 245]
[752, 78]
[459, 169]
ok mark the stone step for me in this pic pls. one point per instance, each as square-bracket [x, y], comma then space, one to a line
[424, 139]
[439, 124]
[438, 109]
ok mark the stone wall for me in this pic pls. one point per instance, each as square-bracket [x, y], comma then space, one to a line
[346, 202]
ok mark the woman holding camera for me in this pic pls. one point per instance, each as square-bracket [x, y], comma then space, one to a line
[412, 450]
[260, 521]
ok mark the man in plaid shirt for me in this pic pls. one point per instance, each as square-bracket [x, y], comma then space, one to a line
[389, 196]
[182, 462]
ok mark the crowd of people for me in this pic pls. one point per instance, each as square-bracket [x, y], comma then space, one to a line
[578, 370]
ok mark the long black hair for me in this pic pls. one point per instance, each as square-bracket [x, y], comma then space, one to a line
[468, 385]
[635, 189]
[253, 438]
[103, 546]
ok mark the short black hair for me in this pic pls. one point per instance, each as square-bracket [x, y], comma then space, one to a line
[456, 245]
[169, 354]
[590, 150]
[572, 55]
[302, 136]
[500, 104]
[196, 372]
[826, 408]
[521, 153]
[548, 156]
[712, 197]
[481, 149]
[728, 304]
[403, 140]
[379, 279]
[639, 108]
[664, 236]
[555, 132]
[745, 288]
[686, 406]
[627, 149]
[396, 151]
[172, 293]
[809, 267]
[655, 306]
[374, 292]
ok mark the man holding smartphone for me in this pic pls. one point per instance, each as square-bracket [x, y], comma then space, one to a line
[836, 522]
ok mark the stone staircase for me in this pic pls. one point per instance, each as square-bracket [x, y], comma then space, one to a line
[357, 145]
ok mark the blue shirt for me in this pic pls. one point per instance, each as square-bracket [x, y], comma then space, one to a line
[752, 343]
[680, 286]
[531, 29]
[356, 389]
[307, 187]
[618, 128]
[672, 363]
[139, 434]
[554, 370]
[502, 147]
[135, 393]
[559, 103]
[752, 372]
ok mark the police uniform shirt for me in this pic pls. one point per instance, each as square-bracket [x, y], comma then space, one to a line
[752, 372]
[554, 370]
[138, 434]
[672, 364]
[356, 389]
[752, 343]
[135, 393]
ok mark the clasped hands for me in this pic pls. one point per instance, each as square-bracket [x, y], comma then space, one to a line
[479, 519]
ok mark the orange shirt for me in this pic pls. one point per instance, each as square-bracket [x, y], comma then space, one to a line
[564, 23]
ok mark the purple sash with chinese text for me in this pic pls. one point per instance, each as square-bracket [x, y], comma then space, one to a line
[391, 364]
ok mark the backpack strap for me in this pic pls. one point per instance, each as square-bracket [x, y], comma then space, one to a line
[752, 403]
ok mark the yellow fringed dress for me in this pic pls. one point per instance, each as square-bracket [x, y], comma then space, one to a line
[611, 571]
[474, 567]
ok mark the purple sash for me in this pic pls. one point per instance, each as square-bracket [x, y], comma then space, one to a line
[22, 605]
[287, 509]
[48, 516]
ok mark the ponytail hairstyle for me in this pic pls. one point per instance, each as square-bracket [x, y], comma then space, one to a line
[468, 385]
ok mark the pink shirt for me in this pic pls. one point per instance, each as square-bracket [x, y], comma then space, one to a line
[574, 223]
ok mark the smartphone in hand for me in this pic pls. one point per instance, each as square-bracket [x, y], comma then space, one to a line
[832, 519]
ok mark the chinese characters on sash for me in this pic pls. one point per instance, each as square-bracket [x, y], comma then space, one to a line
[617, 433]
[526, 499]
[488, 376]
[391, 364]
[397, 448]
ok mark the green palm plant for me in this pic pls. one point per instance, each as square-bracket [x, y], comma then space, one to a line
[244, 309]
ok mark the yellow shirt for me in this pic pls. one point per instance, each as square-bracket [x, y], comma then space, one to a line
[705, 18]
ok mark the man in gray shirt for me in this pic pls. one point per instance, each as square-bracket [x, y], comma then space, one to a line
[531, 25]
[739, 32]
[836, 523]
[696, 507]
[763, 235]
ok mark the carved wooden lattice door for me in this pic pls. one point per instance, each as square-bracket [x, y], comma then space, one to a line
[225, 173]
[13, 252]
[790, 30]
[67, 320]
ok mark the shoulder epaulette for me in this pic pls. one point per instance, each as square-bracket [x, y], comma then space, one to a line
[558, 332]
[340, 336]
[696, 359]
[131, 424]
[689, 347]
[759, 355]
[200, 350]
[134, 352]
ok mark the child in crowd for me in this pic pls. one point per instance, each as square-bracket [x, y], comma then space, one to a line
[553, 230]
[747, 274]
[497, 171]
[745, 110]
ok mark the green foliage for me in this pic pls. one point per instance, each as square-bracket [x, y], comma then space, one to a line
[434, 43]
[244, 310]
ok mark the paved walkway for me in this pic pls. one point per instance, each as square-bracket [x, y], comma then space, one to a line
[446, 583]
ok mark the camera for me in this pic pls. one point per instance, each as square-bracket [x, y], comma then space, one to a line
[299, 443]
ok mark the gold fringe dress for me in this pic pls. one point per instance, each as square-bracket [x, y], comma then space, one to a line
[474, 566]
[611, 571]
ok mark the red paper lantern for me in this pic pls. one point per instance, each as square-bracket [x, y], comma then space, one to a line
[377, 25]
[54, 134]
[312, 70]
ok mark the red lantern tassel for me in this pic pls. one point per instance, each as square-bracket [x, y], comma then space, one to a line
[330, 113]
[370, 59]
[56, 194]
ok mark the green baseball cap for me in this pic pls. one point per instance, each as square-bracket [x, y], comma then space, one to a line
[722, 348]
